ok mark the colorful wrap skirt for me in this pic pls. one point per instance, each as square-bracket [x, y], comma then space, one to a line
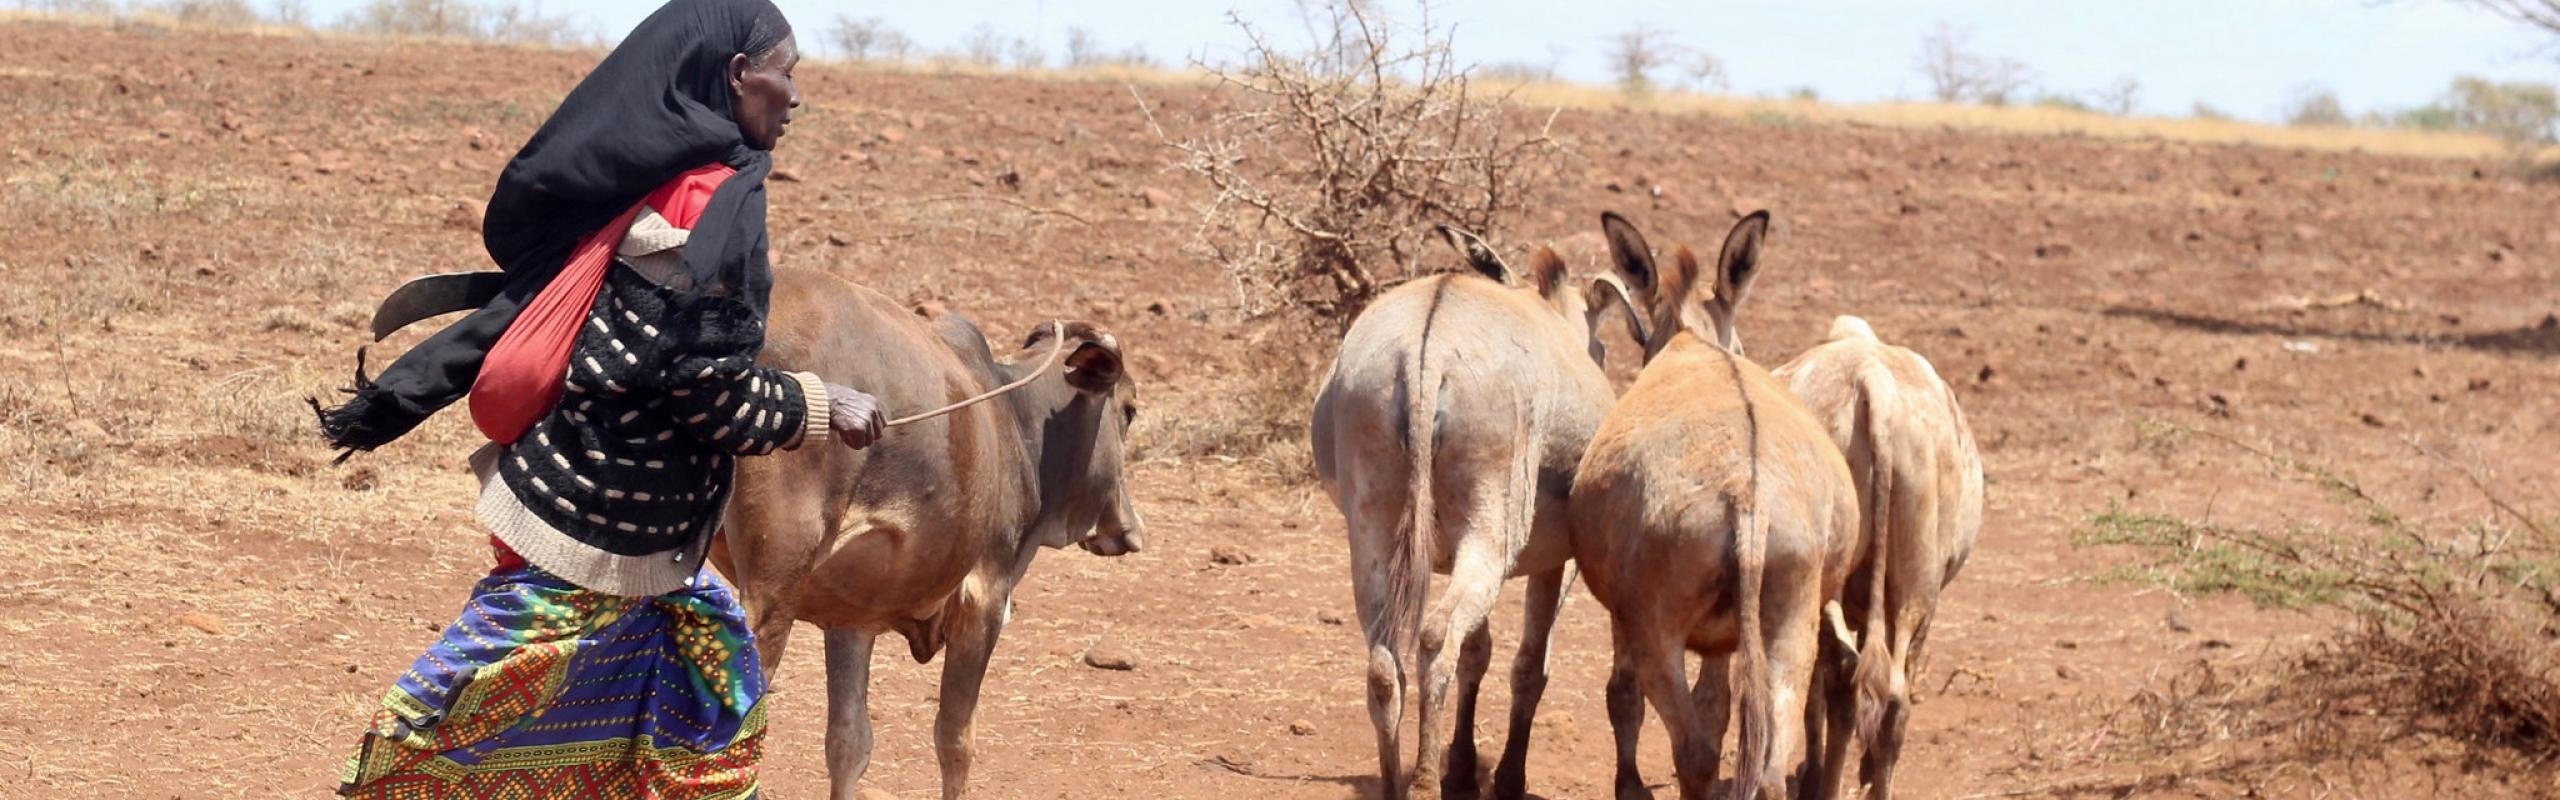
[545, 690]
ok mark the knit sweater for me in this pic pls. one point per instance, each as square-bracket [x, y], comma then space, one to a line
[619, 488]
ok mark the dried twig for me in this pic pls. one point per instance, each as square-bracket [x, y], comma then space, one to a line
[985, 198]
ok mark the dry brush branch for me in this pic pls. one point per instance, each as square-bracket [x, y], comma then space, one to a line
[1329, 165]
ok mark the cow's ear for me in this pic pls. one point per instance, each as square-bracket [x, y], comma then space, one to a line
[1094, 365]
[1480, 256]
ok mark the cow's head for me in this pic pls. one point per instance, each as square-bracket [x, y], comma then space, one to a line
[1090, 405]
[1546, 279]
[1668, 299]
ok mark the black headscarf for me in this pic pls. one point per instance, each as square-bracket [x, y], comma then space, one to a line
[658, 105]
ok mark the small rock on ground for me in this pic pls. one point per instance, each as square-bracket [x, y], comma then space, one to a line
[1110, 656]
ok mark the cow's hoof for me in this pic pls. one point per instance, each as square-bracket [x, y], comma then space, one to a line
[1510, 783]
[1459, 785]
[1631, 787]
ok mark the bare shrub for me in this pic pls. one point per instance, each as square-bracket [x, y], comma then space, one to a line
[514, 24]
[2459, 629]
[983, 46]
[2120, 98]
[71, 8]
[2316, 107]
[1956, 74]
[870, 40]
[2519, 113]
[1516, 72]
[1025, 54]
[445, 18]
[1084, 51]
[1337, 42]
[209, 13]
[1327, 183]
[461, 19]
[1635, 54]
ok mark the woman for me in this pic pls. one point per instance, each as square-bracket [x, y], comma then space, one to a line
[615, 377]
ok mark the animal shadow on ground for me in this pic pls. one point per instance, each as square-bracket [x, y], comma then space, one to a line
[1365, 786]
[2541, 339]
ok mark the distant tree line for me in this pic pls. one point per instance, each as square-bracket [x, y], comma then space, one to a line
[486, 20]
[872, 40]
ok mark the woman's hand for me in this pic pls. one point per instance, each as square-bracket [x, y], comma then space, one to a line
[855, 417]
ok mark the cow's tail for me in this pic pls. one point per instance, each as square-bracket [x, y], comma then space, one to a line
[1751, 554]
[1876, 656]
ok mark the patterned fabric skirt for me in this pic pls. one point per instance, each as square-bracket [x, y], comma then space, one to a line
[545, 690]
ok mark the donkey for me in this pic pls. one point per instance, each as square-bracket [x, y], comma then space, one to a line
[927, 532]
[1919, 480]
[1470, 394]
[1712, 514]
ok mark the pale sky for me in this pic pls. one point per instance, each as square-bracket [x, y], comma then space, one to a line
[2246, 57]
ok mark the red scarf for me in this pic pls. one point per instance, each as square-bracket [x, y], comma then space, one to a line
[520, 380]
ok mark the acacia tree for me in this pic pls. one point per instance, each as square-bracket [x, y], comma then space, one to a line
[1957, 74]
[871, 39]
[1635, 54]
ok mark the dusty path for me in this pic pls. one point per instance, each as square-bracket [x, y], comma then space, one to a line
[200, 607]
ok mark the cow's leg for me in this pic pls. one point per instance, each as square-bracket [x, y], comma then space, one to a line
[1661, 673]
[964, 670]
[1371, 510]
[1626, 714]
[1475, 581]
[848, 709]
[773, 633]
[1529, 678]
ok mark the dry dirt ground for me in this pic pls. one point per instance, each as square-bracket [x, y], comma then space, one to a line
[198, 604]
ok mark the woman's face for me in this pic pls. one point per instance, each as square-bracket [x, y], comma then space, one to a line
[765, 93]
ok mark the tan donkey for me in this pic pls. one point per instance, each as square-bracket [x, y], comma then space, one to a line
[1447, 434]
[1712, 514]
[1920, 487]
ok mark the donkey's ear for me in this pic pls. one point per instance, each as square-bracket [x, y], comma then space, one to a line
[1739, 263]
[1629, 253]
[1547, 272]
[1480, 256]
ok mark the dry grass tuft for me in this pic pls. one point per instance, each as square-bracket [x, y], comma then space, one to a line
[2455, 633]
[1260, 418]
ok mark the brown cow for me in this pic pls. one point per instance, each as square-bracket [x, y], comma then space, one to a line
[1919, 481]
[1712, 514]
[1447, 433]
[928, 531]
